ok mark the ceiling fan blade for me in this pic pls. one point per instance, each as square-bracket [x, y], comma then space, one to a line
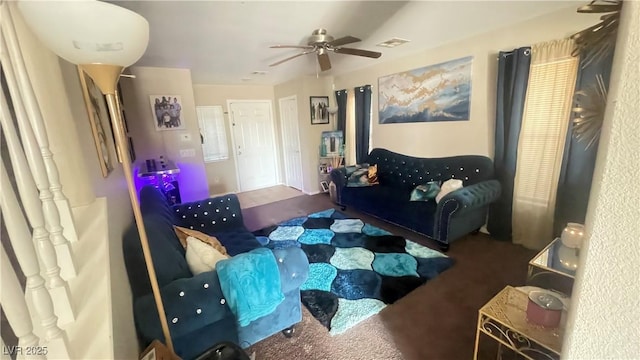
[291, 47]
[344, 41]
[358, 52]
[291, 57]
[323, 60]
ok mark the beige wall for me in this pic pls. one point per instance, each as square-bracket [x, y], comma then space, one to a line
[460, 137]
[604, 319]
[57, 87]
[310, 135]
[150, 143]
[221, 175]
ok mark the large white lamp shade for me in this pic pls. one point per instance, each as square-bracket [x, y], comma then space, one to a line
[88, 31]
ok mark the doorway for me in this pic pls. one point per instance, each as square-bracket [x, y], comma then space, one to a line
[254, 143]
[291, 142]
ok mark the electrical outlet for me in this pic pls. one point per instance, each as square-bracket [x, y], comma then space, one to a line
[187, 153]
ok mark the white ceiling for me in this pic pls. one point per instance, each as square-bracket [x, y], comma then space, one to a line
[225, 41]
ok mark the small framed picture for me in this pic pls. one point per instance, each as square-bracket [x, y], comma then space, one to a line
[324, 185]
[319, 109]
[167, 112]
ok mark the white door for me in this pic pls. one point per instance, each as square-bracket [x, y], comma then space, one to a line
[254, 144]
[291, 142]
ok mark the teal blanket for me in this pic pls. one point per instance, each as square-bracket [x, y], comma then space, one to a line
[251, 284]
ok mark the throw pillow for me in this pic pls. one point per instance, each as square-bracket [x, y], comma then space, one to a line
[447, 187]
[201, 257]
[373, 174]
[184, 233]
[364, 176]
[425, 192]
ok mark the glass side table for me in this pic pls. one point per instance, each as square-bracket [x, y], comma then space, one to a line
[554, 268]
[504, 319]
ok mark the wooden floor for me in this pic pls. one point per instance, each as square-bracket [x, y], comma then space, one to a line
[268, 195]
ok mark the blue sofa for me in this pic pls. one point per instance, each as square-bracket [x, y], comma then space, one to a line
[459, 213]
[183, 294]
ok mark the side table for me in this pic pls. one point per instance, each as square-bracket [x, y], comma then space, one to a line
[548, 270]
[504, 320]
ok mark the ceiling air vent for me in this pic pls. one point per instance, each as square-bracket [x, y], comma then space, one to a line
[393, 42]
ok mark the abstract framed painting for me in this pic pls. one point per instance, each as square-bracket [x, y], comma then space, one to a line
[440, 92]
[100, 121]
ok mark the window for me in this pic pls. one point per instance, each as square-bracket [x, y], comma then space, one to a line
[547, 109]
[212, 133]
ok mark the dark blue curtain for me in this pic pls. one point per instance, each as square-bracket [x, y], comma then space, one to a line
[341, 100]
[513, 76]
[363, 121]
[578, 162]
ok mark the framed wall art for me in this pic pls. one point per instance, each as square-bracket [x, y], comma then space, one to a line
[319, 109]
[100, 121]
[439, 92]
[167, 112]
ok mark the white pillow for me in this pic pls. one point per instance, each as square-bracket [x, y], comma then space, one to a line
[201, 257]
[447, 187]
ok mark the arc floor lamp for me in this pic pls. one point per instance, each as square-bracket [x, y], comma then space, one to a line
[102, 39]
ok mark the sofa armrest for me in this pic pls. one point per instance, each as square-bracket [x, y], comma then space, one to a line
[469, 198]
[190, 304]
[293, 266]
[339, 178]
[473, 196]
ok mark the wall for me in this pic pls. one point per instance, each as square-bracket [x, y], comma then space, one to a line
[604, 317]
[57, 87]
[118, 217]
[221, 175]
[460, 137]
[310, 135]
[150, 143]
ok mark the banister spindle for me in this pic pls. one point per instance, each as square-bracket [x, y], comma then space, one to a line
[33, 208]
[25, 252]
[39, 172]
[34, 116]
[15, 308]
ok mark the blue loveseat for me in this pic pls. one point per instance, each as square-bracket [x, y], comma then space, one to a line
[183, 294]
[458, 213]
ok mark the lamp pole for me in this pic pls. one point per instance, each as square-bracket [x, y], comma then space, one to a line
[106, 78]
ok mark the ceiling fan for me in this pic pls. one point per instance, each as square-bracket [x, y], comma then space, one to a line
[321, 43]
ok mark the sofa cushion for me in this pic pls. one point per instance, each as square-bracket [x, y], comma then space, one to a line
[425, 192]
[167, 253]
[238, 241]
[184, 233]
[364, 176]
[447, 187]
[392, 205]
[201, 257]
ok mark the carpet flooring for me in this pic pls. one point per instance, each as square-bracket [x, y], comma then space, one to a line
[435, 321]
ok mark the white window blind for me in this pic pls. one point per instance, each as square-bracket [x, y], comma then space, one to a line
[545, 121]
[214, 135]
[543, 132]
